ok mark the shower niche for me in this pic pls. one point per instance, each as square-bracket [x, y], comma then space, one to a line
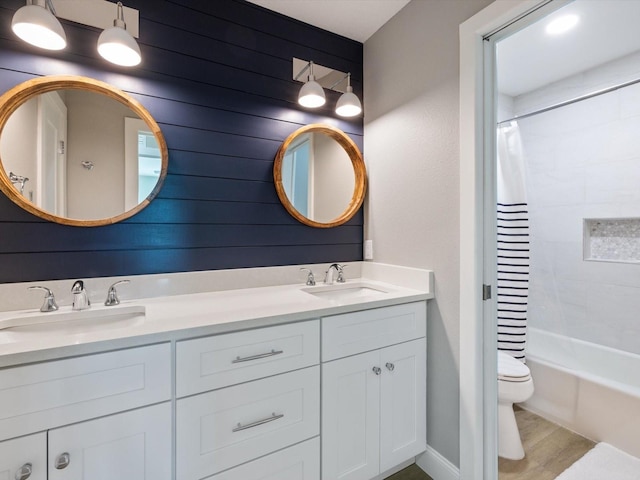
[612, 239]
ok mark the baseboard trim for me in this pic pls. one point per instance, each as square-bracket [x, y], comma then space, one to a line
[436, 466]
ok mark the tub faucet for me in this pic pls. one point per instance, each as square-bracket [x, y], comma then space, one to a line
[80, 297]
[329, 275]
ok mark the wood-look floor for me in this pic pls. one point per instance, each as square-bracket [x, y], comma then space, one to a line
[412, 472]
[549, 449]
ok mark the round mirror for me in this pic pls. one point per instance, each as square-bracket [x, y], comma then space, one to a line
[320, 176]
[77, 151]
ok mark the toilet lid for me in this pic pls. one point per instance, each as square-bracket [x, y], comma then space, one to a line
[511, 369]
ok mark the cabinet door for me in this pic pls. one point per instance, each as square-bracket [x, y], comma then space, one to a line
[24, 455]
[403, 404]
[350, 418]
[135, 444]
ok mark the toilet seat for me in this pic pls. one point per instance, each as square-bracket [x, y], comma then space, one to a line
[511, 369]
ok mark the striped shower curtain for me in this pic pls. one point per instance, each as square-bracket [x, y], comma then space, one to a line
[513, 243]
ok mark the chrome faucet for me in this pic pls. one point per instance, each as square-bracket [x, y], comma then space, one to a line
[329, 275]
[112, 294]
[310, 278]
[80, 297]
[49, 304]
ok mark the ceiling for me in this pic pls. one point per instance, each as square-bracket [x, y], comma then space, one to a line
[354, 19]
[530, 58]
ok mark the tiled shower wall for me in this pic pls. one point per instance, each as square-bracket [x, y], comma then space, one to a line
[583, 161]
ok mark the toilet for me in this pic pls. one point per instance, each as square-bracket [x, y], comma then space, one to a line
[515, 385]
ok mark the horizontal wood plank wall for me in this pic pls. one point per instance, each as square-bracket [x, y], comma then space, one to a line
[216, 76]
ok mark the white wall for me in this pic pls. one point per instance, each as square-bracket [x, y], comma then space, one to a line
[18, 145]
[411, 78]
[95, 133]
[333, 179]
[583, 161]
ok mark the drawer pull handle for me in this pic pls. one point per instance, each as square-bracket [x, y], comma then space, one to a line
[390, 366]
[258, 422]
[377, 370]
[257, 357]
[24, 472]
[62, 461]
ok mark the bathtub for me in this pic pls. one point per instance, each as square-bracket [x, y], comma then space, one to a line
[588, 388]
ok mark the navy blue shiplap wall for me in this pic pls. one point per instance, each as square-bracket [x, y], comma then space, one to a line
[216, 76]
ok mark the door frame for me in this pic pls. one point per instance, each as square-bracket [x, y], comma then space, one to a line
[52, 110]
[478, 342]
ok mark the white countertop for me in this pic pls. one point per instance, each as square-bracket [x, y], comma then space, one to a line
[192, 315]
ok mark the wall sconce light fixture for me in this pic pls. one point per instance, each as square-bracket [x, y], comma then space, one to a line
[348, 104]
[37, 23]
[312, 92]
[117, 45]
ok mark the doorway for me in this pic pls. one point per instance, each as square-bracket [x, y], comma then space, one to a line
[479, 37]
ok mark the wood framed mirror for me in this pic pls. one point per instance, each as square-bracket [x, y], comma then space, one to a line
[320, 176]
[78, 151]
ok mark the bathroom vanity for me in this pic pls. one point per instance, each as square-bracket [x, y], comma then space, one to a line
[244, 384]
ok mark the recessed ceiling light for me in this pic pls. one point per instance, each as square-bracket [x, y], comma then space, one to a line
[562, 24]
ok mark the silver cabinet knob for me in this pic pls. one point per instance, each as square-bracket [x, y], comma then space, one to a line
[390, 366]
[62, 461]
[377, 370]
[24, 472]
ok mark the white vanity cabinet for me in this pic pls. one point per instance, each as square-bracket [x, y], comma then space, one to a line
[252, 393]
[100, 416]
[337, 397]
[373, 390]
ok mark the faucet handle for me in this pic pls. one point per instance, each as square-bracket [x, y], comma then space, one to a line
[340, 269]
[78, 286]
[310, 278]
[49, 304]
[112, 294]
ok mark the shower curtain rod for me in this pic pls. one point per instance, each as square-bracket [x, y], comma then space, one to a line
[573, 100]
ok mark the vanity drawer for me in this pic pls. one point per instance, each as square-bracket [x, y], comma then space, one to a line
[222, 360]
[41, 396]
[300, 462]
[222, 429]
[351, 333]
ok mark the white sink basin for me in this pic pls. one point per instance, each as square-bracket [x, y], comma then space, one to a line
[345, 292]
[72, 322]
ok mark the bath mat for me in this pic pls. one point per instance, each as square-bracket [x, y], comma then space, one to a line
[603, 462]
